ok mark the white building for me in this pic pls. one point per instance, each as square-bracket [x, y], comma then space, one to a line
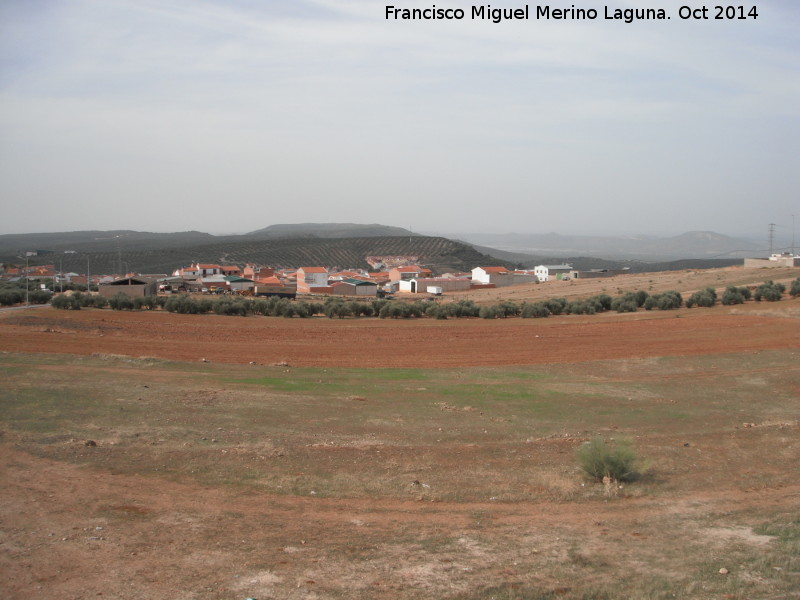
[311, 277]
[546, 272]
[497, 275]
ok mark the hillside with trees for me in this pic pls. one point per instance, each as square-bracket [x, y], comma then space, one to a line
[439, 254]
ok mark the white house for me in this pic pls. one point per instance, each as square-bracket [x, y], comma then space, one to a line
[497, 275]
[545, 272]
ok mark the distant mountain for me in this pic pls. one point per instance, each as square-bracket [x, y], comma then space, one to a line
[88, 241]
[585, 263]
[694, 244]
[437, 253]
[327, 230]
[346, 245]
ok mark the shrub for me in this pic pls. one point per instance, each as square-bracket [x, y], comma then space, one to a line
[627, 303]
[536, 310]
[705, 298]
[580, 307]
[65, 302]
[666, 301]
[555, 305]
[794, 290]
[489, 312]
[99, 301]
[434, 311]
[183, 304]
[39, 296]
[120, 301]
[11, 297]
[733, 295]
[462, 308]
[618, 461]
[769, 291]
[603, 301]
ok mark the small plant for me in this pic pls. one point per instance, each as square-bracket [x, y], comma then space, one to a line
[794, 290]
[602, 461]
[769, 291]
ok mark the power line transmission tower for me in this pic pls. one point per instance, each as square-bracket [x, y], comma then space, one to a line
[771, 238]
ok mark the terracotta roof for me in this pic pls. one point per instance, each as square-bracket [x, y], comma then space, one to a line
[313, 269]
[494, 269]
[270, 281]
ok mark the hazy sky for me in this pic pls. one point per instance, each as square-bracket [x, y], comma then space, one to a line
[228, 116]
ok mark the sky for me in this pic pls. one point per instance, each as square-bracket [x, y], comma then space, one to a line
[229, 116]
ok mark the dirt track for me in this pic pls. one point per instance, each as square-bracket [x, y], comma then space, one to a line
[403, 343]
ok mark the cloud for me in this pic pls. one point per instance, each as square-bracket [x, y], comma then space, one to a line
[324, 104]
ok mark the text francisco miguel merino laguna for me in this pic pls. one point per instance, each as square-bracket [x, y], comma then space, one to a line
[545, 12]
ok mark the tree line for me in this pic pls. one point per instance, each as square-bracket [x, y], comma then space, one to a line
[336, 307]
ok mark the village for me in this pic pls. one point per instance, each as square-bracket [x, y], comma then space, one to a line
[391, 275]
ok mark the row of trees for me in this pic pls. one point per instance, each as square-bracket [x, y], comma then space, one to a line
[12, 293]
[335, 307]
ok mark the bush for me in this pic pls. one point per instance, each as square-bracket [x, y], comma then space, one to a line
[706, 298]
[733, 295]
[580, 307]
[769, 291]
[536, 310]
[602, 302]
[183, 304]
[618, 461]
[556, 305]
[11, 297]
[120, 301]
[794, 290]
[462, 308]
[489, 312]
[666, 301]
[626, 303]
[65, 302]
[99, 301]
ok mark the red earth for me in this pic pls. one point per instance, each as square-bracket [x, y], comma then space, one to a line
[370, 342]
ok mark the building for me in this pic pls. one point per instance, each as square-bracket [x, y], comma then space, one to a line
[257, 272]
[556, 272]
[311, 279]
[239, 284]
[230, 270]
[445, 284]
[130, 286]
[408, 272]
[355, 287]
[775, 261]
[272, 286]
[499, 276]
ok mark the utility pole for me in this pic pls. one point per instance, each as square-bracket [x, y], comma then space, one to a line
[27, 280]
[771, 238]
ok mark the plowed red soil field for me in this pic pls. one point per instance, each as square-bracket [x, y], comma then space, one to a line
[404, 343]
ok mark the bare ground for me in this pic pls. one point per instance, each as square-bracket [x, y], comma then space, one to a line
[70, 531]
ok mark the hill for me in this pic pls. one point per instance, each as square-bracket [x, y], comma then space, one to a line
[439, 254]
[327, 230]
[15, 244]
[689, 245]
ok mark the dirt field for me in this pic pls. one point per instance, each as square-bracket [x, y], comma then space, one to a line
[454, 478]
[408, 343]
